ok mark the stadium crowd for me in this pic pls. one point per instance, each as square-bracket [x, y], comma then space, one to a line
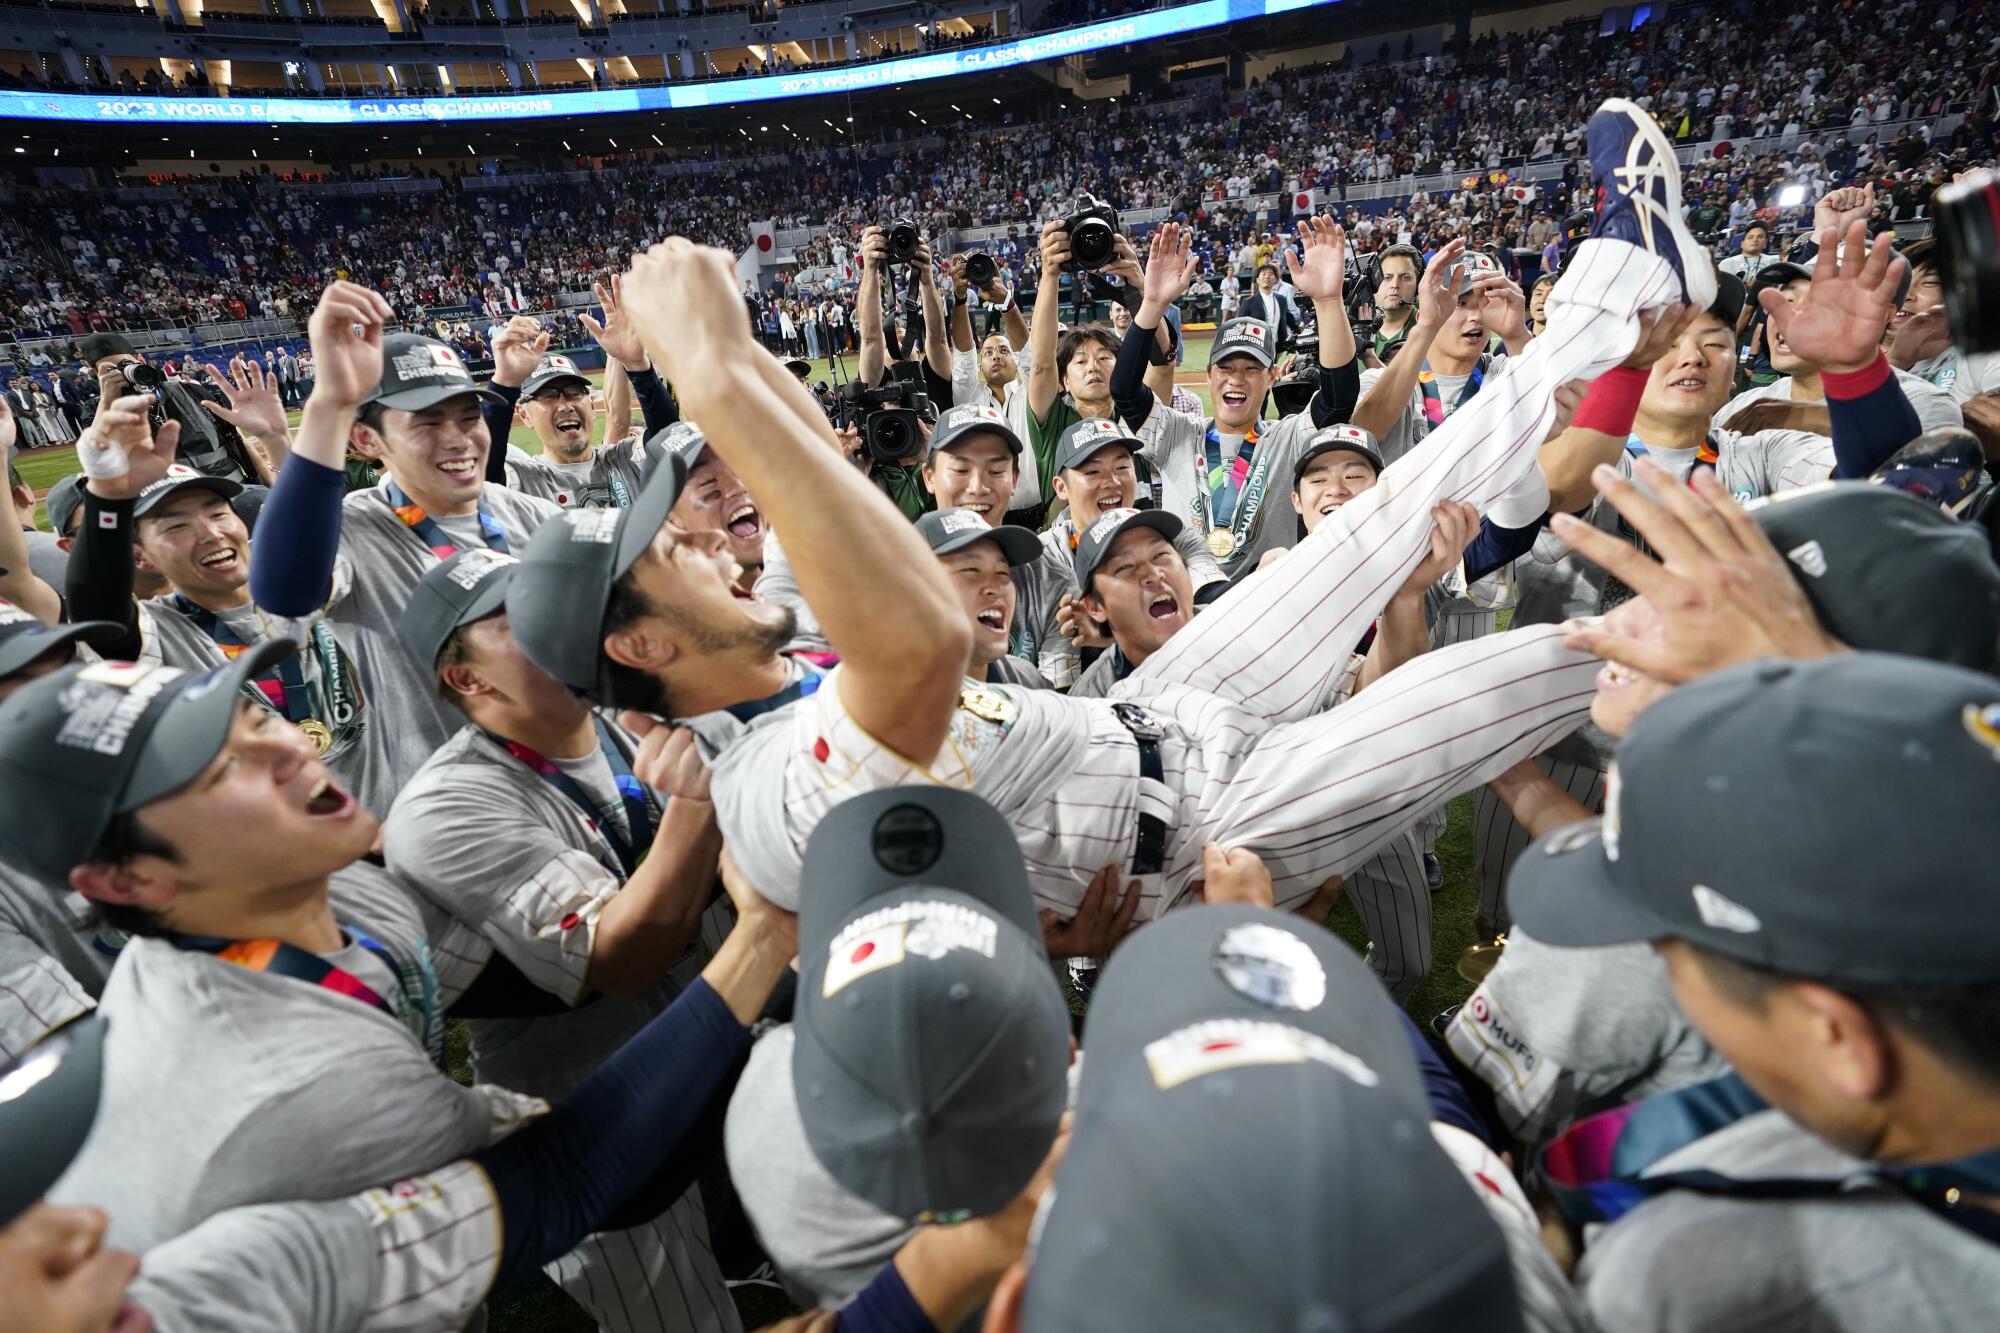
[906, 811]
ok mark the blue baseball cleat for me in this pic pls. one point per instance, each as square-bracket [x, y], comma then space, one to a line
[1639, 195]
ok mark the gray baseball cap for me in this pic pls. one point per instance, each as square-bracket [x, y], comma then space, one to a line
[1338, 439]
[959, 422]
[1252, 1150]
[1083, 441]
[48, 1102]
[470, 586]
[1244, 337]
[420, 372]
[1471, 265]
[553, 370]
[1888, 572]
[24, 637]
[99, 740]
[557, 595]
[932, 1040]
[949, 530]
[1827, 819]
[65, 498]
[1095, 544]
[180, 477]
[683, 438]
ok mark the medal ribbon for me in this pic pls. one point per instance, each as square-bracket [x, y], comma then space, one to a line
[1211, 481]
[430, 534]
[1706, 455]
[641, 811]
[286, 691]
[419, 1008]
[1434, 403]
[1224, 477]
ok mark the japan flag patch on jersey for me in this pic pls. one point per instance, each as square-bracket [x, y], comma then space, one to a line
[863, 954]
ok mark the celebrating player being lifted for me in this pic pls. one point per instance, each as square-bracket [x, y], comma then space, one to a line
[1214, 739]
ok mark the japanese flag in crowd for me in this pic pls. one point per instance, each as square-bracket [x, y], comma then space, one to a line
[1306, 201]
[763, 238]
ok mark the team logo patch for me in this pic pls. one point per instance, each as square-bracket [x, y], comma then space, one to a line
[597, 527]
[1271, 966]
[1106, 524]
[907, 840]
[882, 939]
[960, 520]
[1982, 723]
[106, 700]
[551, 364]
[1721, 912]
[1235, 1043]
[852, 959]
[1483, 1038]
[1810, 558]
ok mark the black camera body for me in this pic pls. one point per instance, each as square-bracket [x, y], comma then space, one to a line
[1093, 235]
[904, 238]
[890, 418]
[980, 269]
[1968, 259]
[150, 381]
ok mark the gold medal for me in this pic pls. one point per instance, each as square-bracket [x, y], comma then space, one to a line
[318, 733]
[1479, 960]
[987, 705]
[1221, 543]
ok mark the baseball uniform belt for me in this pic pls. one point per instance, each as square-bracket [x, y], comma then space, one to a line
[1149, 847]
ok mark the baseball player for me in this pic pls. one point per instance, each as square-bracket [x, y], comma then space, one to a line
[55, 952]
[1663, 411]
[1095, 472]
[716, 498]
[1215, 739]
[983, 563]
[1219, 473]
[1558, 1032]
[409, 401]
[558, 402]
[417, 1255]
[528, 827]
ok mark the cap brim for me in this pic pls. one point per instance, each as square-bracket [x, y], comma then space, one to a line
[532, 386]
[48, 1103]
[226, 487]
[194, 724]
[429, 619]
[1257, 352]
[18, 650]
[1131, 445]
[1306, 459]
[416, 400]
[944, 440]
[648, 514]
[1018, 545]
[1562, 892]
[1162, 521]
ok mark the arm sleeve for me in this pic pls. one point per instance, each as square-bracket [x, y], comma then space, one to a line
[290, 575]
[98, 584]
[1872, 418]
[1130, 397]
[885, 1305]
[499, 415]
[563, 1172]
[657, 405]
[1339, 390]
[1496, 546]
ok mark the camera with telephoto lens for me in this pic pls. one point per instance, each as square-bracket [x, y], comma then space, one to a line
[979, 270]
[904, 238]
[1968, 260]
[1093, 235]
[148, 380]
[890, 418]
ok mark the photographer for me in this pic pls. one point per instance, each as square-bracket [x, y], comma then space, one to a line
[1217, 470]
[990, 376]
[876, 360]
[207, 444]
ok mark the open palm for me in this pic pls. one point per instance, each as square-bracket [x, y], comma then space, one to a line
[1319, 267]
[1838, 324]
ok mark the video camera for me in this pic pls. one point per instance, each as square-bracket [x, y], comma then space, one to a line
[1968, 259]
[1093, 235]
[1293, 393]
[890, 418]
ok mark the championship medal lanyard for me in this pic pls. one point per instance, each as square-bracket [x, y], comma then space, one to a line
[427, 529]
[419, 1007]
[641, 811]
[1434, 411]
[285, 690]
[1229, 492]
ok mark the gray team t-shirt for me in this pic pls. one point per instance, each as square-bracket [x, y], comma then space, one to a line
[381, 560]
[608, 479]
[55, 958]
[1411, 428]
[225, 1086]
[1174, 443]
[502, 851]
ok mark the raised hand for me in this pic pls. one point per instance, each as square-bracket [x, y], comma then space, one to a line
[1453, 526]
[1659, 330]
[1170, 267]
[682, 298]
[1920, 337]
[1722, 592]
[1076, 624]
[960, 284]
[1837, 325]
[1435, 299]
[1837, 210]
[123, 425]
[1055, 248]
[346, 335]
[753, 907]
[1503, 308]
[620, 341]
[1319, 266]
[668, 759]
[1102, 919]
[517, 350]
[255, 407]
